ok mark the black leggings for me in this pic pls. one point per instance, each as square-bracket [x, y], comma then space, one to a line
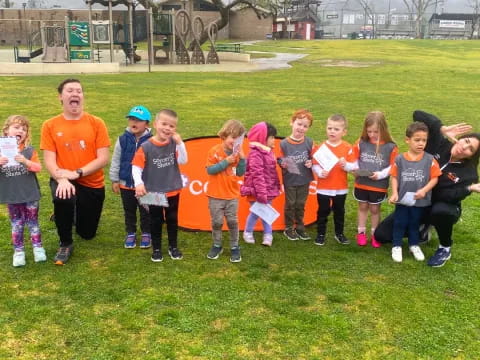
[160, 215]
[441, 215]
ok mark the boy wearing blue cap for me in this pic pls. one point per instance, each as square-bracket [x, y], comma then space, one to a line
[136, 133]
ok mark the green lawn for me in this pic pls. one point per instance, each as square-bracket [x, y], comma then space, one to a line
[292, 301]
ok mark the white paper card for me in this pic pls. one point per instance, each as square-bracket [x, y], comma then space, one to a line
[9, 149]
[265, 211]
[237, 145]
[154, 198]
[291, 165]
[408, 199]
[325, 158]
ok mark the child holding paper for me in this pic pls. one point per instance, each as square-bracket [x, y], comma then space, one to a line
[297, 173]
[261, 182]
[331, 168]
[414, 174]
[19, 188]
[225, 165]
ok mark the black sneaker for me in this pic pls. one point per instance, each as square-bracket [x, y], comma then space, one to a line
[214, 252]
[440, 257]
[157, 256]
[235, 255]
[175, 254]
[63, 254]
[302, 234]
[291, 234]
[320, 240]
[425, 233]
[342, 239]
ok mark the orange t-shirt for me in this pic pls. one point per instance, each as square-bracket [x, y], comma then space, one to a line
[75, 143]
[337, 177]
[434, 169]
[223, 185]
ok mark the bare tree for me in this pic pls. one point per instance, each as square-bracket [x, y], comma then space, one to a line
[475, 5]
[223, 8]
[369, 14]
[418, 8]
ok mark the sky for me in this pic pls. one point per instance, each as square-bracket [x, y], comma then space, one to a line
[457, 6]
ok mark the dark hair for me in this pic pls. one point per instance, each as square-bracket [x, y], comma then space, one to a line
[168, 112]
[414, 127]
[65, 82]
[271, 130]
[473, 161]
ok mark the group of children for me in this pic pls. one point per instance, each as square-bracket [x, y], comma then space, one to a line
[145, 171]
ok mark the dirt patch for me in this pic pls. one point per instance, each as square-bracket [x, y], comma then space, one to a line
[347, 63]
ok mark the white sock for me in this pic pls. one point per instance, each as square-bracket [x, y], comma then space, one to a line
[361, 230]
[444, 247]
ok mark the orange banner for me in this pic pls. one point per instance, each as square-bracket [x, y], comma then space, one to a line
[193, 211]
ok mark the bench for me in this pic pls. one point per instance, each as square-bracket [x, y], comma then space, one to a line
[230, 47]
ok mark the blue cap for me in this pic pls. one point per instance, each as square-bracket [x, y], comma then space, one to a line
[140, 112]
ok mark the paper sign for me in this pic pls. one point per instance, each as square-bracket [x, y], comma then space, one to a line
[408, 199]
[9, 149]
[154, 198]
[363, 172]
[265, 211]
[290, 165]
[325, 158]
[237, 144]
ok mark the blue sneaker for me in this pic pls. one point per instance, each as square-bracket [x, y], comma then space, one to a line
[440, 257]
[146, 241]
[130, 241]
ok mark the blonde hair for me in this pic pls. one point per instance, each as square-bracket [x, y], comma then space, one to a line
[376, 118]
[18, 119]
[233, 128]
[338, 118]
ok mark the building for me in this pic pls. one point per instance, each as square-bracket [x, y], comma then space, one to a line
[453, 26]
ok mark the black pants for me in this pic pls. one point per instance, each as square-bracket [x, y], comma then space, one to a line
[84, 208]
[160, 215]
[325, 205]
[441, 215]
[130, 206]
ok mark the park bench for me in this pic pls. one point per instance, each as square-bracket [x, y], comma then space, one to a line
[230, 47]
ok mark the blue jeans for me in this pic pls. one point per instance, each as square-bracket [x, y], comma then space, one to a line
[406, 221]
[252, 220]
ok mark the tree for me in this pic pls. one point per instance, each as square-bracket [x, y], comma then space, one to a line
[418, 8]
[6, 4]
[475, 5]
[223, 9]
[369, 14]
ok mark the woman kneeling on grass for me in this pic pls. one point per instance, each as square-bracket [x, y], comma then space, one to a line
[458, 160]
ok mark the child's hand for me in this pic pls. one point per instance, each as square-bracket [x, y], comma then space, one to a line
[374, 175]
[262, 199]
[140, 190]
[475, 188]
[323, 174]
[115, 187]
[420, 194]
[177, 138]
[231, 158]
[241, 154]
[282, 163]
[393, 199]
[308, 164]
[3, 160]
[20, 159]
[342, 162]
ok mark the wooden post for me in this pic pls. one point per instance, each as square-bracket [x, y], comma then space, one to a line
[110, 28]
[130, 32]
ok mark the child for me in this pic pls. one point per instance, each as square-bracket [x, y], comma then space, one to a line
[374, 152]
[414, 172]
[261, 181]
[155, 169]
[225, 165]
[20, 191]
[136, 133]
[332, 186]
[297, 148]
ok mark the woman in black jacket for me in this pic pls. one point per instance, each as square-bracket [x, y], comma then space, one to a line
[458, 160]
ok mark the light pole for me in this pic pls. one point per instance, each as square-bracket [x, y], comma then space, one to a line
[25, 23]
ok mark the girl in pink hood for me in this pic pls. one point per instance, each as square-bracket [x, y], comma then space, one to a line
[261, 181]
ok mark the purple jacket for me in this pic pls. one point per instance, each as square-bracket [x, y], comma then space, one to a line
[261, 179]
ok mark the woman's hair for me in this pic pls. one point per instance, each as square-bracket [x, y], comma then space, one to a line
[18, 119]
[302, 114]
[473, 161]
[376, 118]
[271, 130]
[233, 128]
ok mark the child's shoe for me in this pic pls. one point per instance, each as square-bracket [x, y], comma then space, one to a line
[342, 239]
[397, 254]
[130, 241]
[417, 253]
[214, 252]
[302, 234]
[235, 255]
[39, 254]
[362, 239]
[157, 255]
[146, 241]
[291, 234]
[375, 243]
[267, 239]
[18, 258]
[175, 253]
[320, 240]
[248, 237]
[63, 255]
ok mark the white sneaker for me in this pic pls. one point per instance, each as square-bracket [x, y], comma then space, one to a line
[248, 237]
[267, 239]
[19, 258]
[417, 253]
[39, 254]
[397, 254]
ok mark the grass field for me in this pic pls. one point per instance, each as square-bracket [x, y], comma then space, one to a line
[292, 301]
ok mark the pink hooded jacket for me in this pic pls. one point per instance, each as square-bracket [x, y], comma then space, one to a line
[261, 179]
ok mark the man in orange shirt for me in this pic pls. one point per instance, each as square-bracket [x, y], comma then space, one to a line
[75, 149]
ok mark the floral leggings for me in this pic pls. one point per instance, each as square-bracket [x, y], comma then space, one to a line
[21, 215]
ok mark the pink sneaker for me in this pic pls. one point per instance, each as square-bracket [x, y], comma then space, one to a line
[267, 239]
[375, 243]
[362, 239]
[248, 237]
